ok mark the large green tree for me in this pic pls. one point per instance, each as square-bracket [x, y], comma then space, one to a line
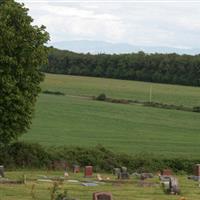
[22, 52]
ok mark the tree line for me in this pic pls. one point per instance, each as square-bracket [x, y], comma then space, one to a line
[160, 68]
[31, 155]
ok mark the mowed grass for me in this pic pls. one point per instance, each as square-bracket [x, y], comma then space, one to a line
[125, 191]
[165, 93]
[74, 120]
[65, 120]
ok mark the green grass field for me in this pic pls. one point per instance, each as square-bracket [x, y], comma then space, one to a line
[73, 120]
[79, 85]
[133, 128]
[127, 191]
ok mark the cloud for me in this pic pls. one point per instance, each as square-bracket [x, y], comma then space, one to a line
[156, 24]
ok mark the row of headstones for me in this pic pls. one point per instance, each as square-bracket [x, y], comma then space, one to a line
[122, 173]
[88, 170]
[169, 182]
[88, 173]
[62, 165]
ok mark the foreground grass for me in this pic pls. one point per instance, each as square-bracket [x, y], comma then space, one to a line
[79, 85]
[64, 120]
[128, 191]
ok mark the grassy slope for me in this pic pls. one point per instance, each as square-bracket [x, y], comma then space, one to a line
[76, 85]
[129, 191]
[65, 120]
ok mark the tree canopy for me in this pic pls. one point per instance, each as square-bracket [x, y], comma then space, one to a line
[22, 52]
[160, 68]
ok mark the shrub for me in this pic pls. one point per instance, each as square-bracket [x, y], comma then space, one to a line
[196, 109]
[53, 92]
[167, 106]
[27, 155]
[101, 97]
[122, 101]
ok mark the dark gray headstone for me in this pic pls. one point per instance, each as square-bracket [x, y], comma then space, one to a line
[2, 171]
[123, 173]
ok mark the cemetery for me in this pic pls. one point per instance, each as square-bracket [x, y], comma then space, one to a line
[83, 183]
[98, 124]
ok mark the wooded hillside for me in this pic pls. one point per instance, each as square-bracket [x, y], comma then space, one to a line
[161, 68]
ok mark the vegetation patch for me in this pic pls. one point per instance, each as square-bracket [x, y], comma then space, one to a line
[53, 92]
[131, 128]
[159, 68]
[122, 89]
[29, 155]
[168, 106]
[102, 97]
[196, 109]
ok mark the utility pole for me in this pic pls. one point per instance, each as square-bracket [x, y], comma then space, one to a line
[150, 94]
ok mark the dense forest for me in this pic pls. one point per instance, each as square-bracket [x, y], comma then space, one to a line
[161, 68]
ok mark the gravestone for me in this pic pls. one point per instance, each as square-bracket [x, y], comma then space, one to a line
[116, 171]
[174, 186]
[88, 171]
[124, 169]
[102, 196]
[171, 185]
[167, 172]
[123, 173]
[76, 168]
[196, 175]
[197, 170]
[2, 171]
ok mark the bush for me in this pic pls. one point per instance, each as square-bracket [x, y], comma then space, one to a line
[122, 101]
[167, 106]
[196, 109]
[27, 155]
[101, 97]
[53, 92]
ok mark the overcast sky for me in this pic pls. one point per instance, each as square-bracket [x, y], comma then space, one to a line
[148, 23]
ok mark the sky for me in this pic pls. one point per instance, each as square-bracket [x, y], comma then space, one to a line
[169, 23]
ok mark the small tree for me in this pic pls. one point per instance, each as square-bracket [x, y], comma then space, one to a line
[101, 97]
[22, 52]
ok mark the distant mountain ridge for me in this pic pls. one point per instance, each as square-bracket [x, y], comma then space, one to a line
[94, 47]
